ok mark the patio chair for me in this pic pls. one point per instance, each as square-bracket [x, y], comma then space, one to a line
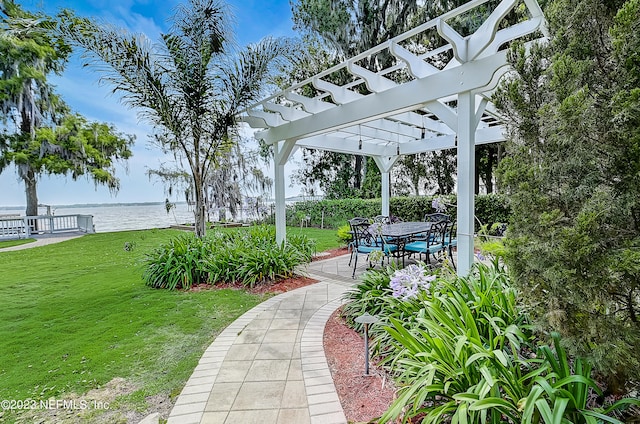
[365, 240]
[436, 217]
[386, 220]
[382, 219]
[432, 244]
[432, 217]
[450, 240]
[352, 244]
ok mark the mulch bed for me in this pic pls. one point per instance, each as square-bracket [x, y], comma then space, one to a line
[278, 286]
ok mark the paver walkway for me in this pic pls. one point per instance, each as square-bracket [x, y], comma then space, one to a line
[43, 240]
[269, 366]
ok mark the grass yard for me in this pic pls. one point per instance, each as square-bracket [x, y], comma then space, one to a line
[11, 243]
[75, 315]
[325, 239]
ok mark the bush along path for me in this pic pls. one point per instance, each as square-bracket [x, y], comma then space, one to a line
[250, 256]
[463, 349]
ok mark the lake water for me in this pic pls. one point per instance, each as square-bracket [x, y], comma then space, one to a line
[121, 217]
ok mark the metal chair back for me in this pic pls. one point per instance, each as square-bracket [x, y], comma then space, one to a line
[436, 217]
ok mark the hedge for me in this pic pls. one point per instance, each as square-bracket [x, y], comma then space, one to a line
[490, 208]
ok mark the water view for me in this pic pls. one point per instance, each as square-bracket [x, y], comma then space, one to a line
[120, 217]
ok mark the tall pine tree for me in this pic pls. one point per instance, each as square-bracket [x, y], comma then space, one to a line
[573, 180]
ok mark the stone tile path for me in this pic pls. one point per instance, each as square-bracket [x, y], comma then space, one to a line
[43, 240]
[269, 366]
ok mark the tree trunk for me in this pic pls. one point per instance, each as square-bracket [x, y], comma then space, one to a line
[416, 188]
[199, 212]
[357, 183]
[500, 155]
[30, 188]
[489, 172]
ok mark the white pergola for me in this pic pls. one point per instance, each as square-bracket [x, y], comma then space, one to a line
[424, 100]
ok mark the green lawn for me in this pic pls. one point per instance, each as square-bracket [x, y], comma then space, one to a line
[77, 314]
[10, 243]
[325, 239]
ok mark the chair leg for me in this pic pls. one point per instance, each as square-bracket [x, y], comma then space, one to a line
[451, 257]
[355, 264]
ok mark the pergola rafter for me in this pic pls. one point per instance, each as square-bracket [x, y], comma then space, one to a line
[426, 99]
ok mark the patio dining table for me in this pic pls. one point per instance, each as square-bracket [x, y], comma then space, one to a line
[403, 230]
[400, 232]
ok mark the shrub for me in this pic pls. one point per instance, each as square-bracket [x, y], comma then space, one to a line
[303, 245]
[462, 350]
[179, 264]
[260, 265]
[368, 296]
[564, 391]
[250, 256]
[493, 247]
[462, 342]
[344, 233]
[491, 209]
[334, 213]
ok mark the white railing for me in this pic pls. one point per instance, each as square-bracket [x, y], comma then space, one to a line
[12, 227]
[15, 227]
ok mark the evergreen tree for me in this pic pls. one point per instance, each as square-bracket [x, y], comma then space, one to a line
[573, 180]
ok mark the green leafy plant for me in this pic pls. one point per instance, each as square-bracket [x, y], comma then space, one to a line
[562, 395]
[462, 350]
[179, 264]
[344, 233]
[461, 347]
[259, 265]
[369, 296]
[492, 247]
[305, 246]
[250, 256]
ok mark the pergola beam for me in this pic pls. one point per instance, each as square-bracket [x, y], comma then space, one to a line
[404, 98]
[350, 146]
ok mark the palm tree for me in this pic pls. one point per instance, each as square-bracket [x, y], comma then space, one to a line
[189, 85]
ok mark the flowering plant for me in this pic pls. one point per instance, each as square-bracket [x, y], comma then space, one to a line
[406, 282]
[439, 205]
[375, 229]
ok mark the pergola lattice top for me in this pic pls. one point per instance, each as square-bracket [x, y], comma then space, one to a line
[409, 106]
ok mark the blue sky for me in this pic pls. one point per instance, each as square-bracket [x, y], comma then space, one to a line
[79, 87]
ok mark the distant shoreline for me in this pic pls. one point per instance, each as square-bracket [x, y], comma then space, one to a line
[90, 205]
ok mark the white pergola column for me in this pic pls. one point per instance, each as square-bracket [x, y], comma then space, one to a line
[466, 180]
[281, 222]
[385, 193]
[384, 165]
[282, 151]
